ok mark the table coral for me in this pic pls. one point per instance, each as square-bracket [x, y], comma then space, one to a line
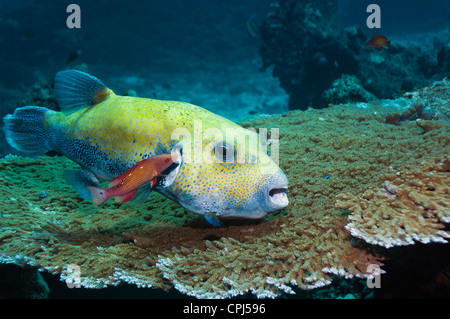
[346, 149]
[413, 205]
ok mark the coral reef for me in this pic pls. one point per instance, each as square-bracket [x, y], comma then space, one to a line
[40, 93]
[342, 155]
[413, 206]
[309, 51]
[347, 89]
[43, 94]
[443, 58]
[297, 39]
[435, 99]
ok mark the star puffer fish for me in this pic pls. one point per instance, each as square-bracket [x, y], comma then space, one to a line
[221, 168]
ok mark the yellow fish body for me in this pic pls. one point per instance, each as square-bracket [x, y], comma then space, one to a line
[223, 168]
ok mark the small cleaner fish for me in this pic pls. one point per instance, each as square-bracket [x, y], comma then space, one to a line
[125, 186]
[107, 134]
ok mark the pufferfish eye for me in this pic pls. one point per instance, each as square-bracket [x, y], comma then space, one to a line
[224, 152]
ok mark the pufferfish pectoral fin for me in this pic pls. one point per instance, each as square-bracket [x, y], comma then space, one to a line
[213, 219]
[77, 90]
[80, 180]
[143, 193]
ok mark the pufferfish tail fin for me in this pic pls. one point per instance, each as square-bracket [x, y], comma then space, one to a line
[77, 90]
[26, 130]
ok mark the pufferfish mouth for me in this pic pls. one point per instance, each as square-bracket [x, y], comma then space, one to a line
[170, 173]
[278, 197]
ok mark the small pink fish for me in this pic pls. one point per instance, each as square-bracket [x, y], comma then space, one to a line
[126, 185]
[379, 42]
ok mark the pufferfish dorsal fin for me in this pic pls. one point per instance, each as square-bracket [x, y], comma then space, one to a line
[77, 90]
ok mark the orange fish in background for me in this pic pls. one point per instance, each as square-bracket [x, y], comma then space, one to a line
[379, 42]
[125, 186]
